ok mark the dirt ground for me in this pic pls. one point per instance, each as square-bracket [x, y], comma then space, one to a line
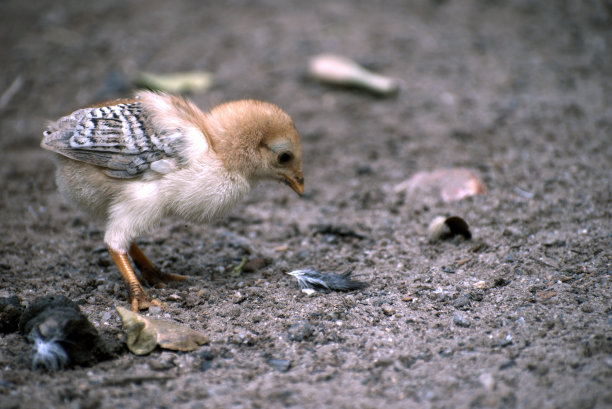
[520, 91]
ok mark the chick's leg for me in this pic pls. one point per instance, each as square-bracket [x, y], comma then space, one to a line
[137, 296]
[150, 273]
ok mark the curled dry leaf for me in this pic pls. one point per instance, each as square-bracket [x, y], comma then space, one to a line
[442, 228]
[450, 184]
[334, 69]
[145, 333]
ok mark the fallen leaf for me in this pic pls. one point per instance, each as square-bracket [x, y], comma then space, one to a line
[175, 83]
[450, 184]
[145, 333]
[238, 269]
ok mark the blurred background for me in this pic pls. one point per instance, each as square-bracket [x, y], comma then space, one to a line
[519, 91]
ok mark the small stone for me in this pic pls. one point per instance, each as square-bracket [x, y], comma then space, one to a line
[480, 285]
[283, 365]
[237, 297]
[487, 381]
[461, 321]
[254, 264]
[501, 340]
[384, 362]
[463, 301]
[388, 310]
[300, 332]
[10, 312]
[500, 282]
[175, 297]
[477, 295]
[349, 301]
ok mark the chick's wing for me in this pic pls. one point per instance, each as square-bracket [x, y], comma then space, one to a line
[117, 138]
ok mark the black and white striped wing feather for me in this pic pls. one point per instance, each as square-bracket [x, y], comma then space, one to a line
[117, 138]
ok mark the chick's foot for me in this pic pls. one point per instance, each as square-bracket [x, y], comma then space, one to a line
[137, 296]
[152, 275]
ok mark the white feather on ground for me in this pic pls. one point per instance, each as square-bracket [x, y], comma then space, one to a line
[315, 280]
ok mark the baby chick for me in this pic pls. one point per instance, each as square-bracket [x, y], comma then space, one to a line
[131, 162]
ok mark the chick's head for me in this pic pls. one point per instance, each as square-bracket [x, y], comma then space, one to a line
[258, 139]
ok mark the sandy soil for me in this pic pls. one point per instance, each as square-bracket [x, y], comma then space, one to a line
[520, 91]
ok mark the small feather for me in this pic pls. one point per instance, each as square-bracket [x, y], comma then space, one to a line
[312, 279]
[49, 355]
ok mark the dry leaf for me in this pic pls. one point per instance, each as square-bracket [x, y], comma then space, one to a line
[145, 333]
[175, 83]
[451, 184]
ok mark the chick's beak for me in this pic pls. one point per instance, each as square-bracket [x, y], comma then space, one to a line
[296, 182]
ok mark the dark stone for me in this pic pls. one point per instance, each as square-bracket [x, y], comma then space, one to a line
[10, 311]
[68, 337]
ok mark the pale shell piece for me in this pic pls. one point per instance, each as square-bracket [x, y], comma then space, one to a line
[442, 228]
[335, 69]
[450, 184]
[145, 333]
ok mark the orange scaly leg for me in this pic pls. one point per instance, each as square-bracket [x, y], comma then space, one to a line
[150, 273]
[137, 296]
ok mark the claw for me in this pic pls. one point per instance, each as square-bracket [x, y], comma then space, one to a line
[150, 273]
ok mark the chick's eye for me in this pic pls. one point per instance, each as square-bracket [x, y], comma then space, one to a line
[284, 158]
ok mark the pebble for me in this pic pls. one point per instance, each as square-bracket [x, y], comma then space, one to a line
[300, 332]
[502, 340]
[254, 264]
[10, 312]
[480, 284]
[388, 310]
[175, 297]
[487, 381]
[237, 297]
[461, 321]
[463, 301]
[283, 365]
